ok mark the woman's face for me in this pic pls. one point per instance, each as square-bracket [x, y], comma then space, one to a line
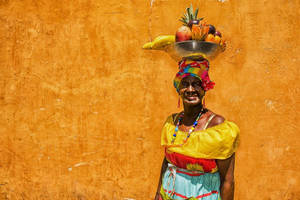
[191, 91]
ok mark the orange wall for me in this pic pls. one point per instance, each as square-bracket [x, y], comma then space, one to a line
[82, 104]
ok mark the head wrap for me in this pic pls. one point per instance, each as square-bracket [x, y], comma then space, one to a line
[198, 69]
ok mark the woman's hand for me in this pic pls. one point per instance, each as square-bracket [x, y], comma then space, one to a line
[157, 196]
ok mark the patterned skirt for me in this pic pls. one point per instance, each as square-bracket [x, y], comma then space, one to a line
[178, 184]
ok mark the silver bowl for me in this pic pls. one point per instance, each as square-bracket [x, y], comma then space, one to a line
[194, 49]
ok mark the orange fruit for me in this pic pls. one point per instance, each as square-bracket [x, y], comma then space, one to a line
[217, 39]
[210, 38]
[205, 29]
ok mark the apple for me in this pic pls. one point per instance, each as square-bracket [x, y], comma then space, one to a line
[183, 33]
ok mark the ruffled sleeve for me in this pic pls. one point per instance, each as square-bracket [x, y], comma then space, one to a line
[167, 131]
[218, 142]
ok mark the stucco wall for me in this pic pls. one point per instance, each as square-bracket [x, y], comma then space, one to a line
[82, 105]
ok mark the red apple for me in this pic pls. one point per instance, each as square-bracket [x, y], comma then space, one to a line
[183, 33]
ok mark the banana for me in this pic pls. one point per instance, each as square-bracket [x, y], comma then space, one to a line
[160, 42]
[148, 45]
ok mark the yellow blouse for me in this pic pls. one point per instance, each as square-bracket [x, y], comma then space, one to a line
[217, 142]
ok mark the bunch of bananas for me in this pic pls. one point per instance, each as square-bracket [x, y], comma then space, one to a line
[160, 42]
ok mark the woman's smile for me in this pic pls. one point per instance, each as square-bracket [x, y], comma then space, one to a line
[191, 96]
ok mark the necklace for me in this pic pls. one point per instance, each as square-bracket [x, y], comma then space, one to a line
[190, 131]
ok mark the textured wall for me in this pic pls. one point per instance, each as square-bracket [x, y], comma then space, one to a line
[82, 104]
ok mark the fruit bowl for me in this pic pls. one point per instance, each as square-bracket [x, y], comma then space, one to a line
[194, 49]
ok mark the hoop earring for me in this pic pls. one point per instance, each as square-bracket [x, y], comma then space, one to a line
[203, 102]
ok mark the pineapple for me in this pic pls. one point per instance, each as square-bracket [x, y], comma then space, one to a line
[189, 18]
[197, 26]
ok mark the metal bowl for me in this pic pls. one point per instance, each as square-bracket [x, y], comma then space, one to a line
[194, 49]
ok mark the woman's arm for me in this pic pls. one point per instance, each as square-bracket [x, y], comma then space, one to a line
[162, 171]
[226, 170]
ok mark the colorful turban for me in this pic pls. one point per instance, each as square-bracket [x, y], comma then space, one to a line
[198, 69]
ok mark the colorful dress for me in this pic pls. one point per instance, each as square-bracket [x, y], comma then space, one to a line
[192, 172]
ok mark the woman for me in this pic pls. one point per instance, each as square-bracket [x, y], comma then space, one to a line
[199, 144]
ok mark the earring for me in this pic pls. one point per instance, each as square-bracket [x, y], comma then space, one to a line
[178, 104]
[203, 102]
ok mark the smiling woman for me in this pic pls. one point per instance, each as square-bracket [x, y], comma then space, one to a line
[199, 144]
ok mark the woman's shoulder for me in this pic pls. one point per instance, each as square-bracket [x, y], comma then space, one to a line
[218, 122]
[214, 119]
[173, 117]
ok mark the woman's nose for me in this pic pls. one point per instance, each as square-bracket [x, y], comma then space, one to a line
[190, 88]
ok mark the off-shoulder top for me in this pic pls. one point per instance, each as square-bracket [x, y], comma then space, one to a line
[203, 146]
